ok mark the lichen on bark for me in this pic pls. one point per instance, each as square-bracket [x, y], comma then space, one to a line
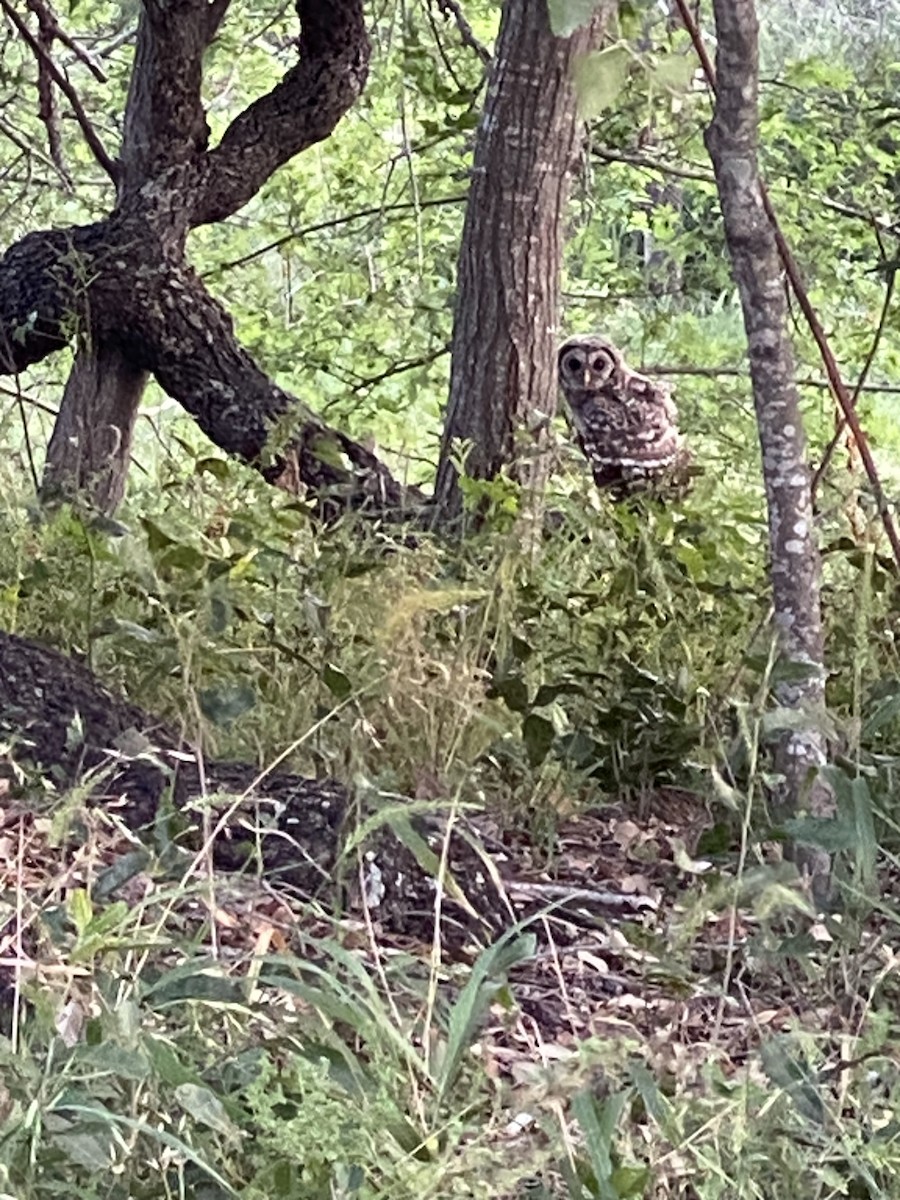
[795, 568]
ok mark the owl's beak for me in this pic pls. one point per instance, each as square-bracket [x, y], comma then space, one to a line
[587, 377]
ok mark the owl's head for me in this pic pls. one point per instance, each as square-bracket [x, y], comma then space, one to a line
[587, 364]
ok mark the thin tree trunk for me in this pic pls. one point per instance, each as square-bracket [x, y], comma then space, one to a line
[503, 368]
[732, 141]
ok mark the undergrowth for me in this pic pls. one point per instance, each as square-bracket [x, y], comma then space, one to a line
[209, 1039]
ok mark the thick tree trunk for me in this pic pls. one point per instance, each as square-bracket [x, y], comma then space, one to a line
[89, 450]
[503, 370]
[732, 140]
[123, 286]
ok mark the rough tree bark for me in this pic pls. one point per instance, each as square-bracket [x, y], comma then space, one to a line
[503, 365]
[122, 291]
[732, 141]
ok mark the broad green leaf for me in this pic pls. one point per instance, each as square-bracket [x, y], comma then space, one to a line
[568, 15]
[336, 681]
[538, 735]
[94, 1151]
[512, 690]
[488, 977]
[206, 1107]
[786, 1064]
[598, 1122]
[599, 79]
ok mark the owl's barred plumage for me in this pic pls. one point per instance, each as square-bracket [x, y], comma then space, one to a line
[625, 423]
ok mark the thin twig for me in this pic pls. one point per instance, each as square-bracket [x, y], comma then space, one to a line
[18, 395]
[861, 382]
[736, 373]
[46, 98]
[652, 164]
[90, 134]
[400, 368]
[26, 437]
[838, 388]
[27, 148]
[450, 8]
[47, 16]
[333, 223]
[648, 163]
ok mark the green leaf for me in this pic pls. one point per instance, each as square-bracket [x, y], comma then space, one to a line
[512, 690]
[568, 15]
[599, 78]
[219, 468]
[166, 1063]
[227, 701]
[630, 1181]
[111, 1059]
[886, 710]
[194, 981]
[786, 1065]
[80, 909]
[538, 735]
[92, 1151]
[598, 1124]
[336, 681]
[206, 1107]
[488, 977]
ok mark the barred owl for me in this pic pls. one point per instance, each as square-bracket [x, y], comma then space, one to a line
[625, 423]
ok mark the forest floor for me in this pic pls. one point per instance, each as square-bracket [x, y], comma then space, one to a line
[656, 985]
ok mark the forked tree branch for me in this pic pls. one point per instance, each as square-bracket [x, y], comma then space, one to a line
[53, 281]
[49, 18]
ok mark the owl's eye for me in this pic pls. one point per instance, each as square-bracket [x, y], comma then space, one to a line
[573, 363]
[599, 363]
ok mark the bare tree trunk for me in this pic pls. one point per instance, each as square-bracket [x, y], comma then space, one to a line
[732, 141]
[89, 450]
[503, 372]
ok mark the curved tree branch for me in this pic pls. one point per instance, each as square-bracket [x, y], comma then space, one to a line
[53, 284]
[299, 111]
[122, 292]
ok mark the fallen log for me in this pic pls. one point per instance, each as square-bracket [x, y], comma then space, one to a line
[58, 719]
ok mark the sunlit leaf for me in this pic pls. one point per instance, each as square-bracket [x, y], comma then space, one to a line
[600, 78]
[568, 15]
